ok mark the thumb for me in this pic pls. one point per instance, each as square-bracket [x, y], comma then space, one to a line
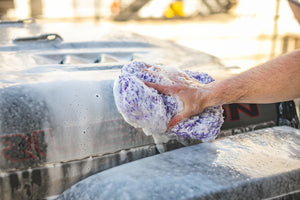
[176, 119]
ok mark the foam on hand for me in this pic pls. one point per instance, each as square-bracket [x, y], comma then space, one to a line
[143, 107]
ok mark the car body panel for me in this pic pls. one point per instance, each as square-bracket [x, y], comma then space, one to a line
[58, 120]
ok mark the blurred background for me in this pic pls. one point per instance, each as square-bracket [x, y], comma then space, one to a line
[241, 32]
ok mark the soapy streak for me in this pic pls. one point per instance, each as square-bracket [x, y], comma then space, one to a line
[31, 147]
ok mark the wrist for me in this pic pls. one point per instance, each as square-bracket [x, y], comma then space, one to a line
[215, 94]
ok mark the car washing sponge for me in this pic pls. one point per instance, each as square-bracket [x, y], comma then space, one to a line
[143, 107]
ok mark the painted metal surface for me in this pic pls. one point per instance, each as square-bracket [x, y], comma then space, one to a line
[246, 166]
[58, 120]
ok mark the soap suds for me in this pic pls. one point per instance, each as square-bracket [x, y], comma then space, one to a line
[143, 107]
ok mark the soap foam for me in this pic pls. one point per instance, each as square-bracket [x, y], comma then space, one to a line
[143, 107]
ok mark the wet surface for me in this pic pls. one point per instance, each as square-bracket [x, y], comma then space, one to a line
[261, 164]
[57, 103]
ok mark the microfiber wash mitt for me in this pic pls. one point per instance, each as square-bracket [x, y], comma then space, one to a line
[143, 107]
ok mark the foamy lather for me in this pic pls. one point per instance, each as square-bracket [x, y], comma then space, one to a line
[143, 107]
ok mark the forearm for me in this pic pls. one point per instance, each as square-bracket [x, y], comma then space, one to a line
[274, 81]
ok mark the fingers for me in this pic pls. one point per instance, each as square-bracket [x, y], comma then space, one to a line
[181, 79]
[160, 88]
[176, 119]
[153, 73]
[152, 66]
[178, 77]
[147, 65]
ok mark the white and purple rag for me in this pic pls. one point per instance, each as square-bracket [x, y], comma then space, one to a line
[143, 107]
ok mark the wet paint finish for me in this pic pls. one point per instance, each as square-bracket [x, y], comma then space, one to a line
[65, 121]
[27, 184]
[257, 165]
[53, 179]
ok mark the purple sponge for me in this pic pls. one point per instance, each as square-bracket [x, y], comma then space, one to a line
[143, 107]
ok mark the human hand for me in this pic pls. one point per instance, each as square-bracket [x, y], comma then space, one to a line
[193, 94]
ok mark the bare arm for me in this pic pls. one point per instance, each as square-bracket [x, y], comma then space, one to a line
[276, 80]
